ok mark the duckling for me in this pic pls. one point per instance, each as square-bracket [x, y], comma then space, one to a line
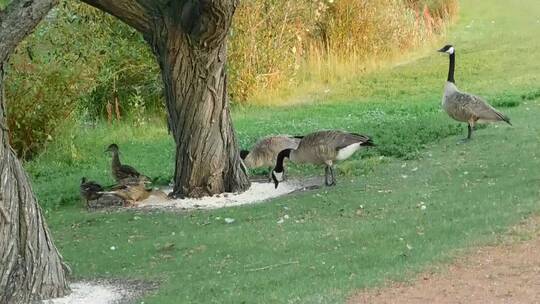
[90, 190]
[264, 152]
[122, 173]
[322, 148]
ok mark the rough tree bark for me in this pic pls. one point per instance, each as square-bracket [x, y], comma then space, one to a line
[30, 266]
[188, 38]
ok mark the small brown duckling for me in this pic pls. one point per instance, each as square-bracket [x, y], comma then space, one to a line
[90, 190]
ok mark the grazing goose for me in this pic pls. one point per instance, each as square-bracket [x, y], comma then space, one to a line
[122, 173]
[466, 107]
[264, 152]
[90, 190]
[322, 148]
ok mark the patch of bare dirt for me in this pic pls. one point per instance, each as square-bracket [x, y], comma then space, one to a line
[506, 273]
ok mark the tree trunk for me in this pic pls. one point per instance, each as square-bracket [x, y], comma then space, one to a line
[207, 160]
[189, 40]
[31, 267]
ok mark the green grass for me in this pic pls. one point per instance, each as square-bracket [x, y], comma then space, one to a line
[366, 230]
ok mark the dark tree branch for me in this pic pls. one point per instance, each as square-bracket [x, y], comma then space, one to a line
[18, 19]
[138, 14]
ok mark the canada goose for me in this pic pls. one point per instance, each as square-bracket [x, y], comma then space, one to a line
[264, 152]
[122, 173]
[322, 148]
[90, 190]
[463, 106]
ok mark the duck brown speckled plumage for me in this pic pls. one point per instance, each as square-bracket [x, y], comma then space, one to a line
[122, 173]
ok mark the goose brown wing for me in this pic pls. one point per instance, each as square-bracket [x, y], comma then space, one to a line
[324, 145]
[344, 139]
[479, 108]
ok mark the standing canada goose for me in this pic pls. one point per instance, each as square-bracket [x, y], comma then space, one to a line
[90, 190]
[463, 106]
[122, 173]
[264, 152]
[322, 148]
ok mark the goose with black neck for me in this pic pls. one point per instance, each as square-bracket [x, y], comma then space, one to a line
[465, 107]
[322, 148]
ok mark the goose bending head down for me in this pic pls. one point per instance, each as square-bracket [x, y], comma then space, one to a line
[465, 107]
[322, 148]
[265, 151]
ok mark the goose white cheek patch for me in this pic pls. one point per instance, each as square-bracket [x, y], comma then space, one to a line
[279, 176]
[450, 51]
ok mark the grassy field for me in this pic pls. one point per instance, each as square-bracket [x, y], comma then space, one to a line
[369, 228]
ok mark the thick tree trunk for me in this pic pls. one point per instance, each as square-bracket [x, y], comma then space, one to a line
[189, 40]
[30, 266]
[207, 160]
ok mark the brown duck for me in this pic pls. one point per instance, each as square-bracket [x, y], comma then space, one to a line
[134, 192]
[123, 173]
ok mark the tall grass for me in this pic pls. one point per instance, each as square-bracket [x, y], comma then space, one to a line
[280, 44]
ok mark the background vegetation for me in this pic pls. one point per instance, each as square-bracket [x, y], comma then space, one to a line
[84, 65]
[367, 230]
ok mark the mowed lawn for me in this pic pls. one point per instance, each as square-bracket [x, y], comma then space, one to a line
[372, 226]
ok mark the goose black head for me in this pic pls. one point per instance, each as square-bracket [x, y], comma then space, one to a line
[449, 49]
[112, 148]
[83, 180]
[244, 154]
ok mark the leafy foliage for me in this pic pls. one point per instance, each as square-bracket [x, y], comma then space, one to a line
[84, 65]
[4, 3]
[78, 61]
